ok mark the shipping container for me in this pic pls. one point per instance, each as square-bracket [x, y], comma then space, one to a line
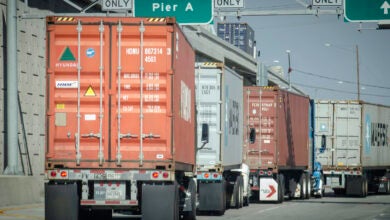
[219, 118]
[240, 35]
[276, 143]
[120, 105]
[352, 145]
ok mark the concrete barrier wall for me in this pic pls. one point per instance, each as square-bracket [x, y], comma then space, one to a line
[18, 190]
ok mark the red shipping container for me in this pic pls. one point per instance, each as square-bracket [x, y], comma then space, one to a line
[280, 120]
[119, 94]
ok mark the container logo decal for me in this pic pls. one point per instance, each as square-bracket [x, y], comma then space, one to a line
[67, 84]
[66, 59]
[233, 118]
[379, 132]
[185, 102]
[367, 137]
[90, 52]
[67, 55]
[90, 92]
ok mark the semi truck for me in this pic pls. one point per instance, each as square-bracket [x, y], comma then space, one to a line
[354, 145]
[219, 168]
[276, 143]
[120, 119]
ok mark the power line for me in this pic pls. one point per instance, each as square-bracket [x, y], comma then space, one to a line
[344, 81]
[337, 90]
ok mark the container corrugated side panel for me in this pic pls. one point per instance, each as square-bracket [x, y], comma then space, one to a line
[292, 116]
[166, 94]
[232, 120]
[376, 138]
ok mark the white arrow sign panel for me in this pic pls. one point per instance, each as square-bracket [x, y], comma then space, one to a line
[385, 6]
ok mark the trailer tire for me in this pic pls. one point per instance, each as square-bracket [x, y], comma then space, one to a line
[303, 186]
[388, 187]
[191, 215]
[280, 188]
[308, 186]
[237, 194]
[364, 187]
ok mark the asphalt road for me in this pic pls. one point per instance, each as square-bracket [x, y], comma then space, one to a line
[328, 208]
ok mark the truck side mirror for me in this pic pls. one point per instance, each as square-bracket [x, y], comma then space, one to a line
[252, 135]
[323, 143]
[205, 133]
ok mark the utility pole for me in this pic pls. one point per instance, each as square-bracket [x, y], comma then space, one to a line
[289, 69]
[357, 72]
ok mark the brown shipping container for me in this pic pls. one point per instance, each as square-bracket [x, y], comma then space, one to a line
[280, 119]
[130, 104]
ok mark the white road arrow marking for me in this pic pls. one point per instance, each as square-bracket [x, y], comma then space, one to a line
[385, 6]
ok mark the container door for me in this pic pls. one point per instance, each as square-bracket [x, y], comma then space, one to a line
[268, 129]
[77, 106]
[347, 125]
[324, 148]
[208, 104]
[252, 128]
[143, 89]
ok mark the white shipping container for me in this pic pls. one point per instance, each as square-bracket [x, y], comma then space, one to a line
[219, 103]
[356, 134]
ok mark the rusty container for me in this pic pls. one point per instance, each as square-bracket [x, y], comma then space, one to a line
[120, 94]
[275, 129]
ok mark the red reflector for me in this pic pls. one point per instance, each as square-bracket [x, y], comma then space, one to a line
[155, 174]
[109, 183]
[53, 173]
[165, 175]
[261, 172]
[64, 174]
[206, 175]
[215, 175]
[269, 173]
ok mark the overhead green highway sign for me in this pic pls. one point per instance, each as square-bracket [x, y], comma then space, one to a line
[366, 10]
[186, 12]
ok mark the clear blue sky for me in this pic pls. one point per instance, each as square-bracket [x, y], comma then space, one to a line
[318, 69]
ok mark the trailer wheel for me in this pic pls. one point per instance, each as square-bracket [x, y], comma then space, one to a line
[280, 188]
[364, 187]
[191, 215]
[237, 194]
[388, 187]
[308, 186]
[303, 187]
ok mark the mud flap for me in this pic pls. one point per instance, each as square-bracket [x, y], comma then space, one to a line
[61, 202]
[355, 186]
[268, 190]
[212, 197]
[160, 202]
